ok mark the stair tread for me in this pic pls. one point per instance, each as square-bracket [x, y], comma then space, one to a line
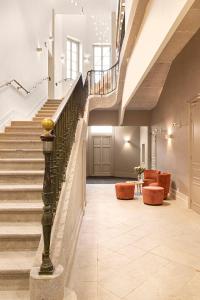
[21, 172]
[15, 295]
[20, 229]
[20, 187]
[19, 133]
[22, 141]
[16, 261]
[20, 206]
[22, 150]
[21, 160]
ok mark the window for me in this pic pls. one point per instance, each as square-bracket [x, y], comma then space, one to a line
[73, 49]
[101, 129]
[102, 59]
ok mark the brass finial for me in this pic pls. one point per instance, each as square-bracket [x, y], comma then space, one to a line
[47, 125]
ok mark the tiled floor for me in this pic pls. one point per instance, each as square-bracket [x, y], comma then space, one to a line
[130, 251]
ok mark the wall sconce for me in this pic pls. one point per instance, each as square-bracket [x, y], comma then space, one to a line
[176, 125]
[86, 58]
[169, 136]
[62, 58]
[39, 49]
[127, 140]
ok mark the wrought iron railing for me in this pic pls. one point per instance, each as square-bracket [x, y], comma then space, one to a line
[103, 82]
[58, 140]
[19, 87]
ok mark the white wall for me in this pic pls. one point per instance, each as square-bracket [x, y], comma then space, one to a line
[152, 40]
[24, 26]
[82, 28]
[126, 155]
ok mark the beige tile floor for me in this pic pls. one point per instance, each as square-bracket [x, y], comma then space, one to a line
[130, 251]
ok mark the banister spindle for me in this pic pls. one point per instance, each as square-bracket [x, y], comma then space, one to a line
[47, 197]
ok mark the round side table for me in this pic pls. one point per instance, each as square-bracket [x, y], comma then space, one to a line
[138, 185]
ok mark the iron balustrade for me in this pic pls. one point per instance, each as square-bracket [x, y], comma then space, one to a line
[103, 82]
[57, 145]
[19, 87]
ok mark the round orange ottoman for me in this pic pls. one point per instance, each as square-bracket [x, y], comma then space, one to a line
[125, 191]
[153, 195]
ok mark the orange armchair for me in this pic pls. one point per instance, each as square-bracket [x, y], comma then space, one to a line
[164, 180]
[150, 176]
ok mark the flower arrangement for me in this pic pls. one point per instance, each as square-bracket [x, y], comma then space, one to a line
[139, 170]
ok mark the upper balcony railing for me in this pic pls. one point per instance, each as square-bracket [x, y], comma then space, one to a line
[104, 82]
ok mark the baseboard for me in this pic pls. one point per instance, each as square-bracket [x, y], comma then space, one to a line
[180, 196]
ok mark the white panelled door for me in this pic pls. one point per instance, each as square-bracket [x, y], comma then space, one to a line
[102, 155]
[195, 157]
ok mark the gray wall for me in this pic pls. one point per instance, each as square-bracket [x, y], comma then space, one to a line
[183, 83]
[126, 155]
[110, 117]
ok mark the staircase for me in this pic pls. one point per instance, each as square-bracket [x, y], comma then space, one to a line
[21, 178]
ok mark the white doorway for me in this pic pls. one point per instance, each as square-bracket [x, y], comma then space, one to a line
[195, 157]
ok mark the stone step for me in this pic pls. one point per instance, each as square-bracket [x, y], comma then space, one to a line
[38, 119]
[25, 144]
[20, 211]
[19, 236]
[23, 130]
[47, 111]
[21, 164]
[26, 123]
[54, 101]
[19, 136]
[21, 193]
[49, 108]
[15, 269]
[25, 295]
[21, 153]
[21, 177]
[45, 115]
[15, 295]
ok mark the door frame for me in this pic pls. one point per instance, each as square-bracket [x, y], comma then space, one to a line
[90, 150]
[190, 102]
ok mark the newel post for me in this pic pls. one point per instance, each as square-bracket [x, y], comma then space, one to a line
[47, 138]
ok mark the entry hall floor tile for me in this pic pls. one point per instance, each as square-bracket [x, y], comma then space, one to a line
[127, 250]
